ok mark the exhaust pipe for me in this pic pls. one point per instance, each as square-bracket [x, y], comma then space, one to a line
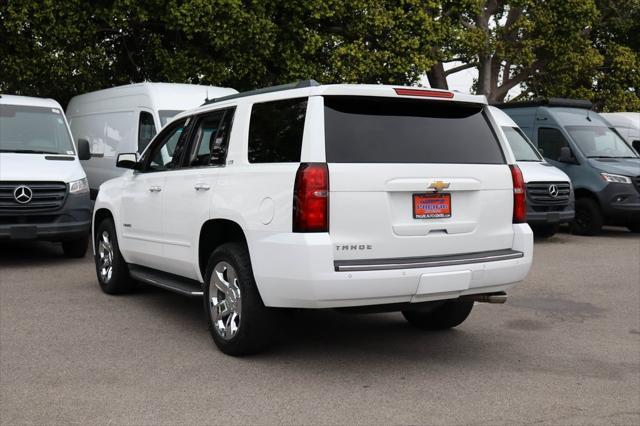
[500, 297]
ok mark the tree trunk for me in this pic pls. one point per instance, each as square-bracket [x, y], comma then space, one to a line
[437, 77]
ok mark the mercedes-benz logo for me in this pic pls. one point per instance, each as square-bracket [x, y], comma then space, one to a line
[553, 191]
[23, 194]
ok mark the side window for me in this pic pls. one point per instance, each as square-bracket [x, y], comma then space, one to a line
[275, 131]
[550, 141]
[211, 139]
[167, 151]
[146, 130]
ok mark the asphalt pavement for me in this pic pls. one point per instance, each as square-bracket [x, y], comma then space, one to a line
[565, 349]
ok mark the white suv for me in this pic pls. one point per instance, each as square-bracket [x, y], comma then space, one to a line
[310, 196]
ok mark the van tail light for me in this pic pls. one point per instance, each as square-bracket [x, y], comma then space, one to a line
[519, 199]
[311, 198]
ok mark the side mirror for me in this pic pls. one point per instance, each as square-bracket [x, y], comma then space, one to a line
[217, 154]
[566, 156]
[84, 153]
[636, 145]
[128, 161]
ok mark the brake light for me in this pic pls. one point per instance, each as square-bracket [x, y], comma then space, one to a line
[519, 201]
[426, 93]
[311, 198]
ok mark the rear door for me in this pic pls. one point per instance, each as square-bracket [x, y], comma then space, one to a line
[413, 178]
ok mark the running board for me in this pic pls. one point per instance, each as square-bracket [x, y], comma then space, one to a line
[167, 281]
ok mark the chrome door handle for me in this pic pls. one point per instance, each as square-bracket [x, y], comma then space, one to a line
[201, 187]
[155, 188]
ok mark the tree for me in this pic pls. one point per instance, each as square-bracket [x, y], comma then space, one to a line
[509, 42]
[612, 83]
[60, 49]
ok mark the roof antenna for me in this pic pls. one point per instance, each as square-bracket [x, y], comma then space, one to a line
[588, 118]
[207, 98]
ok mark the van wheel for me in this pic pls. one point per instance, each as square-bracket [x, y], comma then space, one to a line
[111, 269]
[588, 220]
[239, 322]
[634, 227]
[448, 315]
[545, 231]
[75, 248]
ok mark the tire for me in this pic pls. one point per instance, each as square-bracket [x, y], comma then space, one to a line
[588, 220]
[248, 326]
[634, 227]
[76, 248]
[545, 231]
[111, 269]
[448, 315]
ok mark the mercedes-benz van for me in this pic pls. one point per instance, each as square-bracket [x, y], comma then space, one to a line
[550, 199]
[43, 189]
[604, 169]
[627, 124]
[126, 118]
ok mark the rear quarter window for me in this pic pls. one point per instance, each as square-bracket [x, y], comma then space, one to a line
[275, 131]
[384, 130]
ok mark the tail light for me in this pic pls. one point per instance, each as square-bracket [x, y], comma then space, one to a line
[519, 201]
[311, 198]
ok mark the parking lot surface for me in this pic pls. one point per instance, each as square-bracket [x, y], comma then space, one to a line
[565, 349]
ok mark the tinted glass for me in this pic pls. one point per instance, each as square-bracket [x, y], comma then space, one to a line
[275, 132]
[27, 130]
[521, 147]
[211, 139]
[146, 130]
[382, 130]
[167, 153]
[600, 142]
[550, 141]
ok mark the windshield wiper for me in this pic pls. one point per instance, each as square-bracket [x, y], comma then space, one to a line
[27, 151]
[601, 156]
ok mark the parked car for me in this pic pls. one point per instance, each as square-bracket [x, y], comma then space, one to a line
[126, 118]
[604, 169]
[43, 190]
[550, 199]
[627, 124]
[366, 197]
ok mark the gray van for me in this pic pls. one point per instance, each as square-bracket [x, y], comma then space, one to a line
[604, 169]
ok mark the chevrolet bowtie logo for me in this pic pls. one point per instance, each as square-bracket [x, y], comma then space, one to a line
[22, 194]
[439, 185]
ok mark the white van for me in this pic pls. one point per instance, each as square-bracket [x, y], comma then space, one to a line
[43, 190]
[627, 124]
[125, 118]
[550, 198]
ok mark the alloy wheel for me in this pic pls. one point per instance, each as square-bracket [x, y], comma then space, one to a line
[225, 301]
[105, 257]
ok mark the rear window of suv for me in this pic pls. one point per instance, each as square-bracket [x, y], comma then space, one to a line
[383, 130]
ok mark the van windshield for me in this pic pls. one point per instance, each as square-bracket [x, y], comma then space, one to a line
[34, 130]
[521, 147]
[600, 142]
[388, 130]
[166, 115]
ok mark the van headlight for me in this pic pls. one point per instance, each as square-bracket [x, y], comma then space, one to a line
[615, 178]
[79, 186]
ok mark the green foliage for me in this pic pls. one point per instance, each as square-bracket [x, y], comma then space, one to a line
[578, 48]
[59, 49]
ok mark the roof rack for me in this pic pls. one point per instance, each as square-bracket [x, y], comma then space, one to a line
[290, 86]
[552, 102]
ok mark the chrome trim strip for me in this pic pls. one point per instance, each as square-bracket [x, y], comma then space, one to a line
[425, 262]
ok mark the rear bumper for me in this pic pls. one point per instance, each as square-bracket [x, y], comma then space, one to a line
[298, 271]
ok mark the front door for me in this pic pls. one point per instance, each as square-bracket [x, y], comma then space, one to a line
[142, 200]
